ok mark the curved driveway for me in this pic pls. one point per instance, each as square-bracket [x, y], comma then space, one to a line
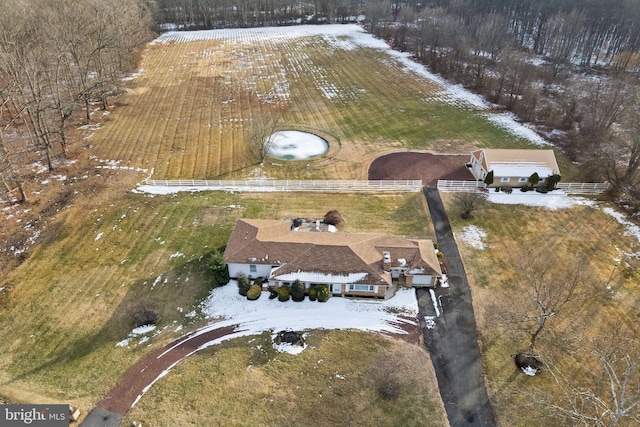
[453, 341]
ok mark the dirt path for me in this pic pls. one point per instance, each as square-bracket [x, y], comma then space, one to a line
[141, 375]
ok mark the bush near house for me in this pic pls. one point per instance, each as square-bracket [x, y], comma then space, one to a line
[254, 292]
[323, 293]
[297, 291]
[243, 285]
[218, 268]
[313, 293]
[283, 293]
[552, 181]
[334, 218]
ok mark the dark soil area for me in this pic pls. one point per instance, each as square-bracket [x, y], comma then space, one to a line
[427, 167]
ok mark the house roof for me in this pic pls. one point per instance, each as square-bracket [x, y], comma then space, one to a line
[518, 162]
[351, 257]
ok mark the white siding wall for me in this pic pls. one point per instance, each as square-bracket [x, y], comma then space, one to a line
[262, 270]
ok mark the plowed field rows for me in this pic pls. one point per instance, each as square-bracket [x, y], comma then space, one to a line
[200, 96]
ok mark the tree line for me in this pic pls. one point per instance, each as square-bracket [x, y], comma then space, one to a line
[569, 67]
[210, 14]
[58, 58]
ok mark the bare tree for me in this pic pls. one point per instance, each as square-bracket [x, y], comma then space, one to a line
[612, 395]
[549, 287]
[603, 105]
[468, 202]
[262, 138]
[55, 54]
[619, 152]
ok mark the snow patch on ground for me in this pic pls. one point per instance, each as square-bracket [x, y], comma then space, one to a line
[253, 317]
[631, 228]
[509, 122]
[554, 200]
[141, 330]
[139, 333]
[287, 347]
[337, 313]
[295, 145]
[474, 236]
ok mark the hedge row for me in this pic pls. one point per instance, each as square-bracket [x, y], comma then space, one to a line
[296, 291]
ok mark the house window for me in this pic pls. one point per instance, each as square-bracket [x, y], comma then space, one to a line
[522, 179]
[362, 288]
[505, 179]
[253, 268]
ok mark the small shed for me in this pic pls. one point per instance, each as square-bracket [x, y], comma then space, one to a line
[513, 167]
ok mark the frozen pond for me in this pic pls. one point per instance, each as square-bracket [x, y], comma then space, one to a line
[295, 145]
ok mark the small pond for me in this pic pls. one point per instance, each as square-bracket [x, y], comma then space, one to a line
[295, 145]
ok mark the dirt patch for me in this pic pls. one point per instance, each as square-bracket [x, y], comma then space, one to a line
[427, 167]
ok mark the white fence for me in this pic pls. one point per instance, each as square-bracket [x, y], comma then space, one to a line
[567, 187]
[267, 185]
[448, 185]
[583, 187]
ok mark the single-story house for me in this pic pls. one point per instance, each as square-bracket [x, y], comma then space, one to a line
[513, 167]
[351, 264]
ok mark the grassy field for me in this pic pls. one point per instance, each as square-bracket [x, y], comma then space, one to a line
[74, 298]
[198, 105]
[333, 382]
[102, 253]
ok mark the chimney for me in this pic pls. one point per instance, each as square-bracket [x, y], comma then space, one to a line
[386, 261]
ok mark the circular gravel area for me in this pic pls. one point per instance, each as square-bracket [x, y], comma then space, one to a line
[427, 167]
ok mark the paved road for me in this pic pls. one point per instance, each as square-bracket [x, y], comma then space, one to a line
[453, 341]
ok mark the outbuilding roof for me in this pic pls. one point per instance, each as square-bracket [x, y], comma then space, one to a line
[518, 162]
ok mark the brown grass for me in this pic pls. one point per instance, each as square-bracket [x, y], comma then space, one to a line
[193, 111]
[566, 343]
[189, 116]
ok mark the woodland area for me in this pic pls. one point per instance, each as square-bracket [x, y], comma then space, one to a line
[57, 59]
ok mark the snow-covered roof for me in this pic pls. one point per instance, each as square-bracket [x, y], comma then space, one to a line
[525, 169]
[318, 277]
[518, 162]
